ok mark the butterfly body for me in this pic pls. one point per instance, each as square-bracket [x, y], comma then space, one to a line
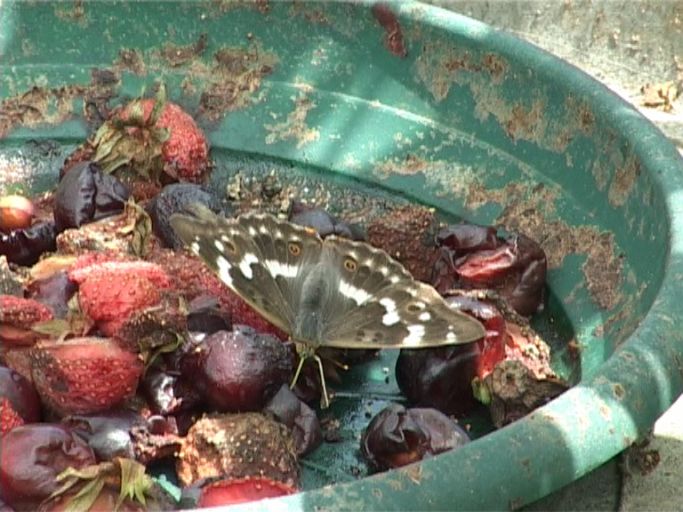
[333, 292]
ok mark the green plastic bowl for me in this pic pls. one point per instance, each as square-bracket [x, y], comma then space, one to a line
[409, 102]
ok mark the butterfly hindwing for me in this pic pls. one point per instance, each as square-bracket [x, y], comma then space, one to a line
[390, 308]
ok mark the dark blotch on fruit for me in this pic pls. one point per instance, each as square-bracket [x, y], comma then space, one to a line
[86, 194]
[54, 291]
[25, 246]
[175, 198]
[21, 395]
[286, 407]
[324, 223]
[238, 370]
[398, 436]
[31, 457]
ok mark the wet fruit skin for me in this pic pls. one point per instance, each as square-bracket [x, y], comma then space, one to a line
[206, 316]
[238, 370]
[397, 436]
[16, 212]
[18, 395]
[85, 194]
[31, 456]
[107, 433]
[324, 223]
[442, 377]
[54, 292]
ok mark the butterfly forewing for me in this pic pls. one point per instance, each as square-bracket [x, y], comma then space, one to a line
[230, 248]
[288, 252]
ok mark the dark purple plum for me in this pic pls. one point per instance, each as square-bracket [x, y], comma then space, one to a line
[397, 436]
[324, 223]
[206, 315]
[25, 246]
[54, 291]
[441, 377]
[31, 457]
[474, 257]
[86, 194]
[107, 433]
[238, 370]
[286, 408]
[175, 198]
[20, 394]
[166, 394]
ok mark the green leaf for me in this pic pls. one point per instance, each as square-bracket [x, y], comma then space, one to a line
[55, 327]
[136, 113]
[481, 391]
[135, 482]
[85, 498]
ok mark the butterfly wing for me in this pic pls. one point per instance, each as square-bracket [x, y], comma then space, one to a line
[287, 251]
[252, 256]
[382, 306]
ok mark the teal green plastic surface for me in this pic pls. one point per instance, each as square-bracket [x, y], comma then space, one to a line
[427, 106]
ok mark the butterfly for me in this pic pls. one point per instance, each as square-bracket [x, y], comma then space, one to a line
[330, 292]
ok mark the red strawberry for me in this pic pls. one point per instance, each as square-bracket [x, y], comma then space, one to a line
[230, 492]
[153, 136]
[87, 259]
[19, 312]
[150, 271]
[9, 417]
[109, 294]
[186, 152]
[84, 375]
[17, 316]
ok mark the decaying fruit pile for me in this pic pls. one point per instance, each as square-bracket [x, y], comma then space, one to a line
[120, 350]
